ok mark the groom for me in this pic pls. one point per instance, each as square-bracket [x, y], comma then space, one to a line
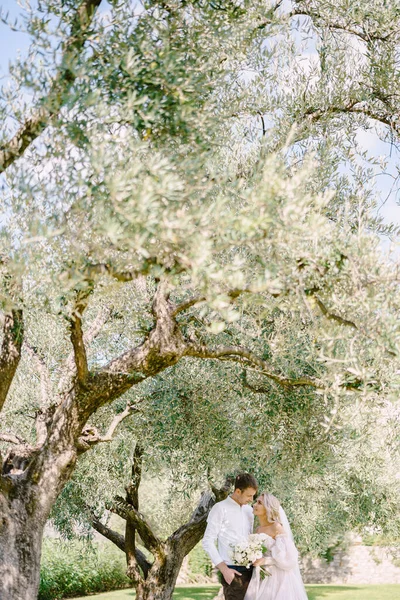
[230, 522]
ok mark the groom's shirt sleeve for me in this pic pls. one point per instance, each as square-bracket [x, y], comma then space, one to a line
[214, 524]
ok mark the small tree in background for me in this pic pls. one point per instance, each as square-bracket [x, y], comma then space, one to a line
[160, 207]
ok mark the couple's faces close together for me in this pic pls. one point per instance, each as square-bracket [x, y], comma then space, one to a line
[247, 496]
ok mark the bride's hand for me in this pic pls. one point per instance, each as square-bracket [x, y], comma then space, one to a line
[259, 562]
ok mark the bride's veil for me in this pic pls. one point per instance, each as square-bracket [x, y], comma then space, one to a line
[288, 530]
[285, 523]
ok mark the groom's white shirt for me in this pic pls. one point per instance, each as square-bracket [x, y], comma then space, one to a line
[228, 523]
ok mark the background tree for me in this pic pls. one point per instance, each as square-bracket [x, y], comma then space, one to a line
[148, 220]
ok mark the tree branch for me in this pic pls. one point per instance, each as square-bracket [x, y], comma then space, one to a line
[90, 435]
[11, 438]
[332, 316]
[188, 304]
[43, 371]
[119, 540]
[129, 409]
[338, 319]
[232, 294]
[88, 337]
[93, 270]
[245, 356]
[132, 497]
[345, 28]
[253, 388]
[102, 317]
[164, 347]
[189, 534]
[126, 511]
[315, 114]
[132, 489]
[77, 338]
[116, 538]
[10, 353]
[41, 427]
[57, 96]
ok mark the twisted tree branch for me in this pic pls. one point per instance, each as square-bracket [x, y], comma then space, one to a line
[317, 19]
[332, 316]
[247, 357]
[338, 319]
[354, 107]
[126, 511]
[90, 435]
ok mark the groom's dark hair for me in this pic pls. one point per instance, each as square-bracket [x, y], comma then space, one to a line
[244, 481]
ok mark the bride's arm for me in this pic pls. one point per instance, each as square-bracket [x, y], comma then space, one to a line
[284, 554]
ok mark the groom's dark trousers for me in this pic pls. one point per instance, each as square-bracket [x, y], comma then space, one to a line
[238, 588]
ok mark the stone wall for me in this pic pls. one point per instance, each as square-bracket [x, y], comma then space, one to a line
[358, 564]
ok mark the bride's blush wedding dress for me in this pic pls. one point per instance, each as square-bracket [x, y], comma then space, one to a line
[285, 581]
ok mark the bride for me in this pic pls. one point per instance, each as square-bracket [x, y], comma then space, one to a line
[281, 561]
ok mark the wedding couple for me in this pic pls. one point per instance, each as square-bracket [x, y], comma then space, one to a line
[231, 522]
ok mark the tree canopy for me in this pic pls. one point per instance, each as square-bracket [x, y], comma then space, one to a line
[190, 226]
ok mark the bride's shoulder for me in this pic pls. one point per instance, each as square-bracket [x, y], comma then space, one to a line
[278, 529]
[263, 531]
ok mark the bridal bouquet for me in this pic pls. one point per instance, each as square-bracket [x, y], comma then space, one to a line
[246, 552]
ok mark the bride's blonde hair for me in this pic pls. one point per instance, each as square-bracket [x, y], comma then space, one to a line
[272, 506]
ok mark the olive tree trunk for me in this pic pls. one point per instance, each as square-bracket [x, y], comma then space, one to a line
[21, 535]
[26, 498]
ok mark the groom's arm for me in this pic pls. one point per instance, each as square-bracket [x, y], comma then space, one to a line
[210, 538]
[211, 534]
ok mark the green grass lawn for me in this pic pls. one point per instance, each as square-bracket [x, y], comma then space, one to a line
[315, 592]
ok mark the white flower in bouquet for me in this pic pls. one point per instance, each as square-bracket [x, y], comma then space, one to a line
[266, 540]
[245, 553]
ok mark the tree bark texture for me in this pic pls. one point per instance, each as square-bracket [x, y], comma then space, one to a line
[20, 550]
[161, 579]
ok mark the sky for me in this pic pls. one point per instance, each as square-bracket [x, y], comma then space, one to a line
[14, 42]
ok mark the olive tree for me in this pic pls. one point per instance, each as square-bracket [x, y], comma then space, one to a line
[161, 205]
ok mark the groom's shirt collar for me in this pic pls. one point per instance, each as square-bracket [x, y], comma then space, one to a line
[233, 502]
